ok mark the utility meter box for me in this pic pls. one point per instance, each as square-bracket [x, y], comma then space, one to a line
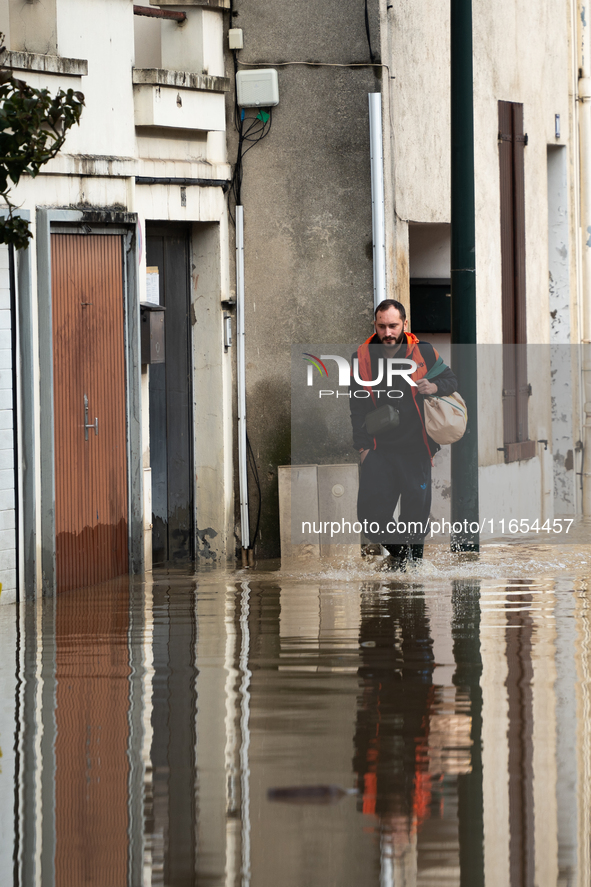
[152, 333]
[258, 88]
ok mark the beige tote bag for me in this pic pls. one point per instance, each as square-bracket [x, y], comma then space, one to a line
[445, 417]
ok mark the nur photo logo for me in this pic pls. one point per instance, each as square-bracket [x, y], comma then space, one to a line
[387, 369]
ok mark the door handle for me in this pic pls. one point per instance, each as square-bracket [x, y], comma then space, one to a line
[86, 424]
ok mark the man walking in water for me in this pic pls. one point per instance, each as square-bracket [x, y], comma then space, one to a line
[396, 460]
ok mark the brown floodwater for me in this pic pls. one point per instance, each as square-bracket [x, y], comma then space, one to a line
[317, 723]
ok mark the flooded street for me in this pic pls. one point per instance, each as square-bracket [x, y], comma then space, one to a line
[302, 725]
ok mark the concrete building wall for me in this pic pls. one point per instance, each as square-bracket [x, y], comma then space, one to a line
[307, 210]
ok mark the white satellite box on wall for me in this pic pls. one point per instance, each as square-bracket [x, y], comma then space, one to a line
[258, 88]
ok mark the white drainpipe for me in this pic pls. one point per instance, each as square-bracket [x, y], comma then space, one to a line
[241, 379]
[378, 213]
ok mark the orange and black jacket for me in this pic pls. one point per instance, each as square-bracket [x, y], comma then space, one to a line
[411, 430]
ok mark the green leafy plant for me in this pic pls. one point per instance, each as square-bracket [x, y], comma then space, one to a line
[33, 128]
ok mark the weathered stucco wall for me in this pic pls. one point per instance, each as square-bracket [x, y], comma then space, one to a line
[420, 103]
[307, 209]
[521, 54]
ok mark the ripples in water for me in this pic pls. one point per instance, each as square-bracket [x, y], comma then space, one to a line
[304, 724]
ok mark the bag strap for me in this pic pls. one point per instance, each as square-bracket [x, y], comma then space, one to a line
[438, 367]
[453, 403]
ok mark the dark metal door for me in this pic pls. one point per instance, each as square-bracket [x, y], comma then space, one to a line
[91, 500]
[171, 449]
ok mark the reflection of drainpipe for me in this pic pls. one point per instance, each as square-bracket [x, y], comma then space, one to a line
[245, 734]
[584, 109]
[386, 859]
[230, 751]
[237, 750]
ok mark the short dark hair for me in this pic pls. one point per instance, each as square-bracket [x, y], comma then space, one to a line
[391, 303]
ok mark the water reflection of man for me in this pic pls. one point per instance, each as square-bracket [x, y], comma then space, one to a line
[396, 677]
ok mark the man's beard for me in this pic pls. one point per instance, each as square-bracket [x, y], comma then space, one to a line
[401, 338]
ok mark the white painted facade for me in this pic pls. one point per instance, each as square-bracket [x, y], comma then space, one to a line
[155, 110]
[530, 56]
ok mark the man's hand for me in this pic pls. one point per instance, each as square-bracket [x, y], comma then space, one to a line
[363, 454]
[425, 387]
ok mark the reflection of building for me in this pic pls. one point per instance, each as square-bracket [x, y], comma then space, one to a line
[303, 703]
[148, 723]
[106, 779]
[91, 741]
[397, 695]
[9, 713]
[535, 655]
[413, 740]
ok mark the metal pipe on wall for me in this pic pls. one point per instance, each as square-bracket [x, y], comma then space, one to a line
[584, 115]
[241, 379]
[378, 213]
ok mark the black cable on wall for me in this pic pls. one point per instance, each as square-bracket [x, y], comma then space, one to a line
[367, 31]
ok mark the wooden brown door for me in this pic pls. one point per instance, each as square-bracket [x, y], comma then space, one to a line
[91, 502]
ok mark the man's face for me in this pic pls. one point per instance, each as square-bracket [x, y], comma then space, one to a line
[390, 327]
